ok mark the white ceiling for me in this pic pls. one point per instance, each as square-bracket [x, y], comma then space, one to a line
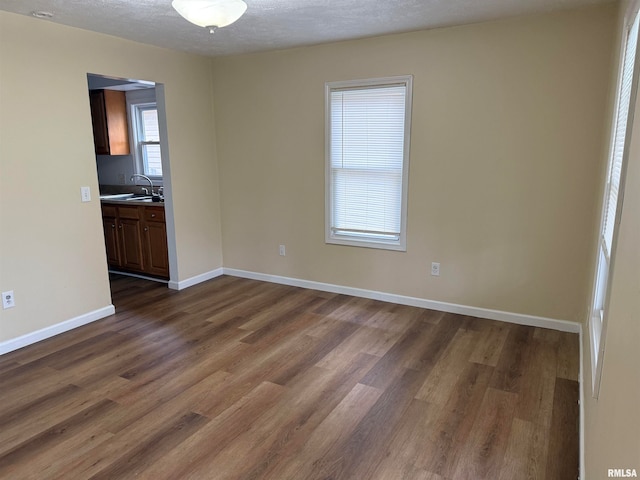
[277, 24]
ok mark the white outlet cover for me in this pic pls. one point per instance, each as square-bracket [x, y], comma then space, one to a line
[8, 301]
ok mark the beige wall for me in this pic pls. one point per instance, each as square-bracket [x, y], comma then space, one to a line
[51, 244]
[505, 157]
[612, 422]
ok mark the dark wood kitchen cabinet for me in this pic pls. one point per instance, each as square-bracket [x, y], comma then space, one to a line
[109, 118]
[155, 241]
[130, 233]
[136, 239]
[110, 225]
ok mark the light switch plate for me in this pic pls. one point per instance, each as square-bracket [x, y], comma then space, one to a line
[85, 194]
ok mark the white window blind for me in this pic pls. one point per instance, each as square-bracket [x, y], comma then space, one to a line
[148, 136]
[622, 115]
[612, 200]
[367, 161]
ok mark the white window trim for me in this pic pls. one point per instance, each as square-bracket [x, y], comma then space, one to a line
[136, 110]
[333, 238]
[135, 99]
[605, 263]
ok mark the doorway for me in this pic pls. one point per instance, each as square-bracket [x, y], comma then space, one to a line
[132, 163]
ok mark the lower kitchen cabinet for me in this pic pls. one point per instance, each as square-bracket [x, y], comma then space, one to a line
[155, 241]
[136, 239]
[130, 233]
[110, 226]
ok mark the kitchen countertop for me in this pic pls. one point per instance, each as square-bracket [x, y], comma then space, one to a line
[124, 200]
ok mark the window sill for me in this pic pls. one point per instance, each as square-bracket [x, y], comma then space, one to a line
[399, 246]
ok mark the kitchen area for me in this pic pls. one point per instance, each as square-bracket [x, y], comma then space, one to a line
[129, 163]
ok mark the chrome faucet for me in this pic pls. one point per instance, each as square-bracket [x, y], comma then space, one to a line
[146, 178]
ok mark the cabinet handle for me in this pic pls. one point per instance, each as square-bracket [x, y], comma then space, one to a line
[146, 229]
[113, 226]
[153, 215]
[119, 226]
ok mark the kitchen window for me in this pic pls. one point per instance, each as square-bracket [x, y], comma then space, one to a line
[147, 140]
[368, 123]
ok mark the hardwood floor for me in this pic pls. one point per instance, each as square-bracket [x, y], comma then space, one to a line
[239, 379]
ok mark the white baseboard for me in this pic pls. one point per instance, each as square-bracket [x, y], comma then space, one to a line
[509, 317]
[517, 318]
[42, 334]
[189, 282]
[582, 466]
[136, 275]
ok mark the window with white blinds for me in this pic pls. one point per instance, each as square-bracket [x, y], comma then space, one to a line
[619, 140]
[148, 140]
[368, 125]
[612, 199]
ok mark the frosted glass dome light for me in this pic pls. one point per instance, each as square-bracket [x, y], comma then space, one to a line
[210, 14]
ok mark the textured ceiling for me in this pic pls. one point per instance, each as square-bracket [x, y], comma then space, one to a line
[277, 24]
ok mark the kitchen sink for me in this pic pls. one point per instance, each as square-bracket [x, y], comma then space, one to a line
[132, 197]
[117, 196]
[146, 198]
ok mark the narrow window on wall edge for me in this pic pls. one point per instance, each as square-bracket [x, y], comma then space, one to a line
[368, 124]
[613, 196]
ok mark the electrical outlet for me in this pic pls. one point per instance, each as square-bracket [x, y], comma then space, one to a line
[435, 269]
[85, 194]
[283, 251]
[7, 300]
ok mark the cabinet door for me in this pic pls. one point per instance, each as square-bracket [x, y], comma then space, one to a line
[131, 244]
[111, 241]
[115, 105]
[109, 119]
[99, 122]
[156, 254]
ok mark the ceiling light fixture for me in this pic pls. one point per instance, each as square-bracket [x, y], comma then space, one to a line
[210, 14]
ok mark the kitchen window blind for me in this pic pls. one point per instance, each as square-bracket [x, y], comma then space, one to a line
[148, 136]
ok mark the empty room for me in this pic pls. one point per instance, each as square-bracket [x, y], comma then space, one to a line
[300, 240]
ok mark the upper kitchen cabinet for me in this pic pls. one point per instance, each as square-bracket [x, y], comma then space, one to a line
[109, 116]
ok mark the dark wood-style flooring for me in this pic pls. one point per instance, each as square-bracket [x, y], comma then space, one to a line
[239, 379]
